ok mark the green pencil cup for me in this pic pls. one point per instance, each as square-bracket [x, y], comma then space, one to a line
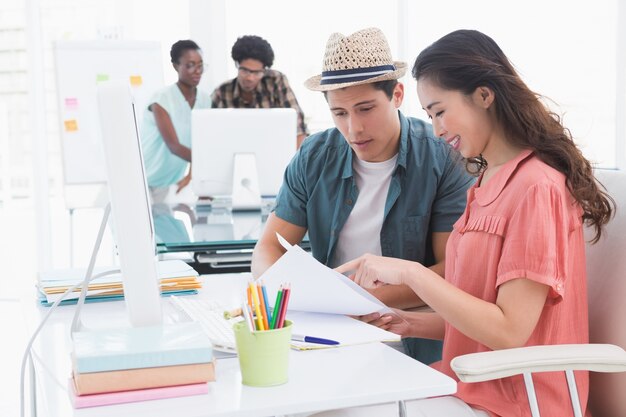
[263, 355]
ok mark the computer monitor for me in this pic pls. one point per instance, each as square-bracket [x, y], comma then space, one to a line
[130, 203]
[241, 153]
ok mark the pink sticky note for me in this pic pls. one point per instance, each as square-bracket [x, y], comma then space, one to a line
[71, 103]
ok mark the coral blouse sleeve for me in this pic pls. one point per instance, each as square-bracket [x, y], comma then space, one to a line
[536, 239]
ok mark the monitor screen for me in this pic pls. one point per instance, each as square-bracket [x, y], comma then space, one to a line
[130, 203]
[237, 152]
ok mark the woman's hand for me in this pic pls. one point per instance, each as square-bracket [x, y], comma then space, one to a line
[183, 183]
[371, 271]
[394, 322]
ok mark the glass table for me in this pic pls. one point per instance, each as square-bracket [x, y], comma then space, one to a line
[210, 237]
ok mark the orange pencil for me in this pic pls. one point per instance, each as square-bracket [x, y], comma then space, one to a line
[262, 304]
[257, 306]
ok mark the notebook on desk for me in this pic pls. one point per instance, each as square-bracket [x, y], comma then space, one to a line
[346, 330]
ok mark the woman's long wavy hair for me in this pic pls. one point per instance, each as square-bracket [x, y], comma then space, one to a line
[467, 59]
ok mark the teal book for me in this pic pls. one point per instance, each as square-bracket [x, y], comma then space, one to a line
[99, 299]
[140, 347]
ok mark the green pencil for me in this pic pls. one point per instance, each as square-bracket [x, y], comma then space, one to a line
[279, 297]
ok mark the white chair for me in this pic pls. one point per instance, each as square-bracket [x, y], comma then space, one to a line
[605, 355]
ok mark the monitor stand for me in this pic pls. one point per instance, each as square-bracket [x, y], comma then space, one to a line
[246, 193]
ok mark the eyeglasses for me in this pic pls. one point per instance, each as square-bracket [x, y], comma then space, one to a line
[193, 66]
[247, 71]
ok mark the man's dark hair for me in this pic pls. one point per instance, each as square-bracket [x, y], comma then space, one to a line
[180, 47]
[253, 47]
[387, 86]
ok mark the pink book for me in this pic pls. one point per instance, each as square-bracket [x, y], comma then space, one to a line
[110, 398]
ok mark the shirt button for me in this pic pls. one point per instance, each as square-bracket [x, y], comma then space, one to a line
[559, 287]
[349, 201]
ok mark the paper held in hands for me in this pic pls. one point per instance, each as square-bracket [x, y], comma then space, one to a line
[318, 288]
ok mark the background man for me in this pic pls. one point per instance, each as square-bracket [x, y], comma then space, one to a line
[256, 85]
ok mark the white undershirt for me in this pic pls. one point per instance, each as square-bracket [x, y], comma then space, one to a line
[361, 233]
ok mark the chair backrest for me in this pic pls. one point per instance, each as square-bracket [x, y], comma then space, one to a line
[606, 277]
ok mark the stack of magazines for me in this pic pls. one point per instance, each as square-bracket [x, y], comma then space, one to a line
[112, 366]
[175, 278]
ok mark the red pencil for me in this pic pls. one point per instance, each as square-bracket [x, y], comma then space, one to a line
[283, 309]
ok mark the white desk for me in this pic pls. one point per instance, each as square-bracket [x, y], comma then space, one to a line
[318, 380]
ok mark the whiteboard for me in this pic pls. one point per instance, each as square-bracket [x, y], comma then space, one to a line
[80, 66]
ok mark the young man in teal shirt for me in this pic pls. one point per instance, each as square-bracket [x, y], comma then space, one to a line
[378, 182]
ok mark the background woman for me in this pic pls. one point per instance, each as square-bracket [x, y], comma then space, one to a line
[166, 130]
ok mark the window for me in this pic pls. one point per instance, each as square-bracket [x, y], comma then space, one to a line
[564, 50]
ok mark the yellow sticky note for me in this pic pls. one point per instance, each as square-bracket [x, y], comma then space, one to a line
[136, 80]
[102, 77]
[70, 125]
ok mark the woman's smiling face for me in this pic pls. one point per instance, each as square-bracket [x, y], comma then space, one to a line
[461, 120]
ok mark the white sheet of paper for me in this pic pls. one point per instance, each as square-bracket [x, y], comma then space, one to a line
[315, 287]
[343, 329]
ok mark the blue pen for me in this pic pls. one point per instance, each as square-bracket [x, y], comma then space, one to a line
[311, 339]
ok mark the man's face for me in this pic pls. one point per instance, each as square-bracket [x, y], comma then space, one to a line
[368, 119]
[249, 74]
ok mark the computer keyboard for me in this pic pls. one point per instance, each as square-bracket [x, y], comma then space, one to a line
[210, 315]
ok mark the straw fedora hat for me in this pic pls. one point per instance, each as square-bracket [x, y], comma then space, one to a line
[361, 58]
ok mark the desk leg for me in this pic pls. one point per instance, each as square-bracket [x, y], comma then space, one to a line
[401, 409]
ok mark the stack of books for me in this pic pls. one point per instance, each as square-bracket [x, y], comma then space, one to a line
[135, 364]
[175, 278]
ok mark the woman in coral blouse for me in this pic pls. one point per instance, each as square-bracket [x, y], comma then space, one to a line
[515, 261]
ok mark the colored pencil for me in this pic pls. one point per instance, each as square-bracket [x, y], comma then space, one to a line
[283, 310]
[276, 311]
[267, 306]
[251, 317]
[262, 307]
[247, 314]
[257, 306]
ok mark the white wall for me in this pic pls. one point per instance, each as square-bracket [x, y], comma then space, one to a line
[572, 51]
[565, 50]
